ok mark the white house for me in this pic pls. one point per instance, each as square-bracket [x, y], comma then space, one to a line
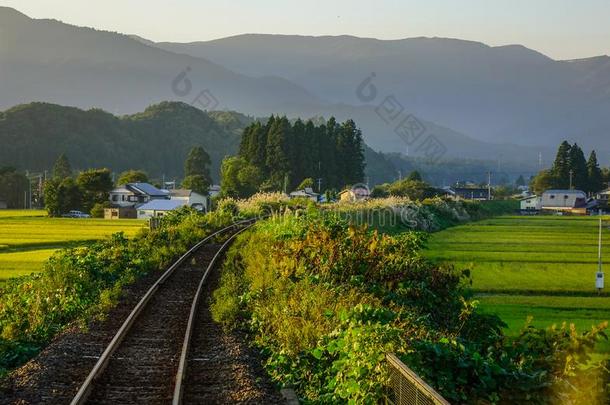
[133, 194]
[603, 196]
[531, 203]
[159, 208]
[191, 198]
[307, 192]
[564, 200]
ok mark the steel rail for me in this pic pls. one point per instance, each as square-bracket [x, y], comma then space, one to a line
[85, 389]
[181, 373]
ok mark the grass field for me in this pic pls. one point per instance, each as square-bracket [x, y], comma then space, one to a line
[28, 238]
[540, 266]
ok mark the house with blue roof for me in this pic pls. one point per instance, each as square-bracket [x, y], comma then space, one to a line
[126, 198]
[159, 208]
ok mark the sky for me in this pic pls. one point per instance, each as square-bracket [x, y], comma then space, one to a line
[561, 29]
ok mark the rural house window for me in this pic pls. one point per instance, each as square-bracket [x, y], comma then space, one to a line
[566, 197]
[115, 197]
[552, 197]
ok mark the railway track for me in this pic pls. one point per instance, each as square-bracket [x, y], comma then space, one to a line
[148, 359]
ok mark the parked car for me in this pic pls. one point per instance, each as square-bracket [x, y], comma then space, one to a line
[76, 214]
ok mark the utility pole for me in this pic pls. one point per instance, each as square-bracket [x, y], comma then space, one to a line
[399, 174]
[599, 277]
[319, 184]
[571, 175]
[489, 186]
[540, 160]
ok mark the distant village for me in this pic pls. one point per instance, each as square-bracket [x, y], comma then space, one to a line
[572, 186]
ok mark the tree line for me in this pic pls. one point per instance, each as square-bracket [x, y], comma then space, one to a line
[572, 170]
[280, 154]
[88, 191]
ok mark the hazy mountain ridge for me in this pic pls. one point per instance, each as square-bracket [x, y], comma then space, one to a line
[508, 94]
[46, 60]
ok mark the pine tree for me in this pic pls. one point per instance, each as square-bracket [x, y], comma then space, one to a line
[62, 168]
[578, 166]
[594, 173]
[299, 153]
[278, 154]
[352, 153]
[197, 170]
[561, 167]
[197, 162]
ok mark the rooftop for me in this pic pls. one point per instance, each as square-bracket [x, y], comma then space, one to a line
[146, 188]
[564, 192]
[162, 205]
[180, 192]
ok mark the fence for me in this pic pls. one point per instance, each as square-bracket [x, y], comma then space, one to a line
[406, 388]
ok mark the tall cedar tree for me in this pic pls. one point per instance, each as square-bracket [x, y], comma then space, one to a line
[596, 181]
[286, 153]
[62, 168]
[197, 162]
[561, 166]
[279, 156]
[578, 165]
[197, 170]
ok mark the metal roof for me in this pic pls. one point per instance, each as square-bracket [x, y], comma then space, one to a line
[564, 192]
[162, 205]
[180, 192]
[146, 188]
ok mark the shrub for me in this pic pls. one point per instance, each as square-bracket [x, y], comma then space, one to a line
[83, 283]
[326, 300]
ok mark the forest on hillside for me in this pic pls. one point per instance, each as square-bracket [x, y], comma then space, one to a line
[156, 140]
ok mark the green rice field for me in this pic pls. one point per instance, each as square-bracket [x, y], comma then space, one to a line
[29, 237]
[539, 266]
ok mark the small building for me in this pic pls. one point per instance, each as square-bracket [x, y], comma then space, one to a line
[159, 208]
[355, 194]
[3, 204]
[120, 213]
[192, 198]
[214, 190]
[307, 192]
[133, 194]
[603, 199]
[468, 193]
[571, 201]
[531, 203]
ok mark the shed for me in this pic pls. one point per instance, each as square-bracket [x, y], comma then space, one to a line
[120, 212]
[531, 203]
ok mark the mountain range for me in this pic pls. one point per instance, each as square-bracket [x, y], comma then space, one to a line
[500, 103]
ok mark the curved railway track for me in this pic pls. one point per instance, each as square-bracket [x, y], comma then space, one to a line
[148, 359]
